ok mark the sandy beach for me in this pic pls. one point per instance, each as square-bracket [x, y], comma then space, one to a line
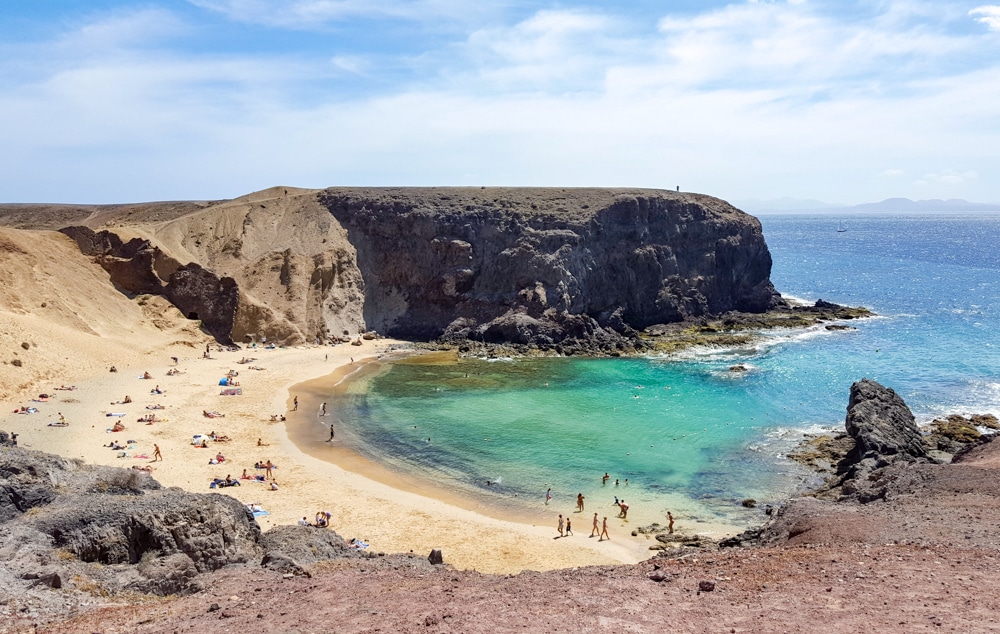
[390, 512]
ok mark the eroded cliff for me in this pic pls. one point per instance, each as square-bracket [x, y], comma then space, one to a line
[561, 269]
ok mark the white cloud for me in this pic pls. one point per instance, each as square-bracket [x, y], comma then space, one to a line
[948, 177]
[752, 100]
[989, 15]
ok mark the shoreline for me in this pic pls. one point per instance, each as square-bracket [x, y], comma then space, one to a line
[391, 519]
[697, 518]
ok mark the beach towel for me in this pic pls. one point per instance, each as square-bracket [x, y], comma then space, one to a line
[232, 391]
[115, 414]
[260, 513]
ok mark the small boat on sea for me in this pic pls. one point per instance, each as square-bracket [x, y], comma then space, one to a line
[841, 228]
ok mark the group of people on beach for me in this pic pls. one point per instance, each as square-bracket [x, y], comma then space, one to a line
[600, 528]
[322, 520]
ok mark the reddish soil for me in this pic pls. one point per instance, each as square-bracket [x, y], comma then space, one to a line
[925, 559]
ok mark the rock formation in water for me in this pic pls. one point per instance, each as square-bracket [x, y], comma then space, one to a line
[561, 269]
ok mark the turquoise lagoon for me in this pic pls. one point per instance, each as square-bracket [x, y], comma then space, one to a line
[690, 435]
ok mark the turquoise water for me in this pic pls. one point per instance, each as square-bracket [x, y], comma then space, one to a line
[688, 434]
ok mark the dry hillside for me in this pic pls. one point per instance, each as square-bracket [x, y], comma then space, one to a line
[60, 317]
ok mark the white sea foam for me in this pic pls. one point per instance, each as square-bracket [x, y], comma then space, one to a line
[798, 301]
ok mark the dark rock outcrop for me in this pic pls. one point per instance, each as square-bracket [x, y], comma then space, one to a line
[67, 525]
[201, 294]
[290, 548]
[882, 425]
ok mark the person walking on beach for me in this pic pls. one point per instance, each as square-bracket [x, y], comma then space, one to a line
[670, 523]
[560, 525]
[579, 501]
[623, 510]
[295, 403]
[330, 439]
[604, 531]
[595, 529]
[322, 409]
[569, 527]
[548, 496]
[157, 456]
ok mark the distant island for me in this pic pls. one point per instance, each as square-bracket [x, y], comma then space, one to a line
[793, 205]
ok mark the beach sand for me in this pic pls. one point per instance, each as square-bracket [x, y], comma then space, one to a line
[393, 513]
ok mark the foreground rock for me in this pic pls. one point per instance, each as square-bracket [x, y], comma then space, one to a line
[83, 530]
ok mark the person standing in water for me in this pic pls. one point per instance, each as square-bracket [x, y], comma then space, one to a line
[322, 409]
[330, 439]
[548, 496]
[579, 501]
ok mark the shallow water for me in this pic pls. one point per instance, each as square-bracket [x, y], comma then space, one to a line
[690, 435]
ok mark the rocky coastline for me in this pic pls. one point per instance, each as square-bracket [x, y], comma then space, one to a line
[79, 541]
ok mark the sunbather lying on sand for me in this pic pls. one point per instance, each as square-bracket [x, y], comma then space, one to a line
[147, 375]
[156, 390]
[208, 414]
[66, 387]
[157, 406]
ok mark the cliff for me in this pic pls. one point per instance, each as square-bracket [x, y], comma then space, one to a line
[562, 269]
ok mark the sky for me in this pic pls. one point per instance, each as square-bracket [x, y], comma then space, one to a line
[107, 101]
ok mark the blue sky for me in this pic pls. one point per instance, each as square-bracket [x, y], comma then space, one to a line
[846, 102]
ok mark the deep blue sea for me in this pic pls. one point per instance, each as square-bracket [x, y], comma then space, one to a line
[689, 435]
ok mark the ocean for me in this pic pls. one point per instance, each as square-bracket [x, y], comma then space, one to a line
[683, 433]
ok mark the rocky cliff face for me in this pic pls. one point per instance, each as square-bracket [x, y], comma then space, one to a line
[539, 266]
[549, 268]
